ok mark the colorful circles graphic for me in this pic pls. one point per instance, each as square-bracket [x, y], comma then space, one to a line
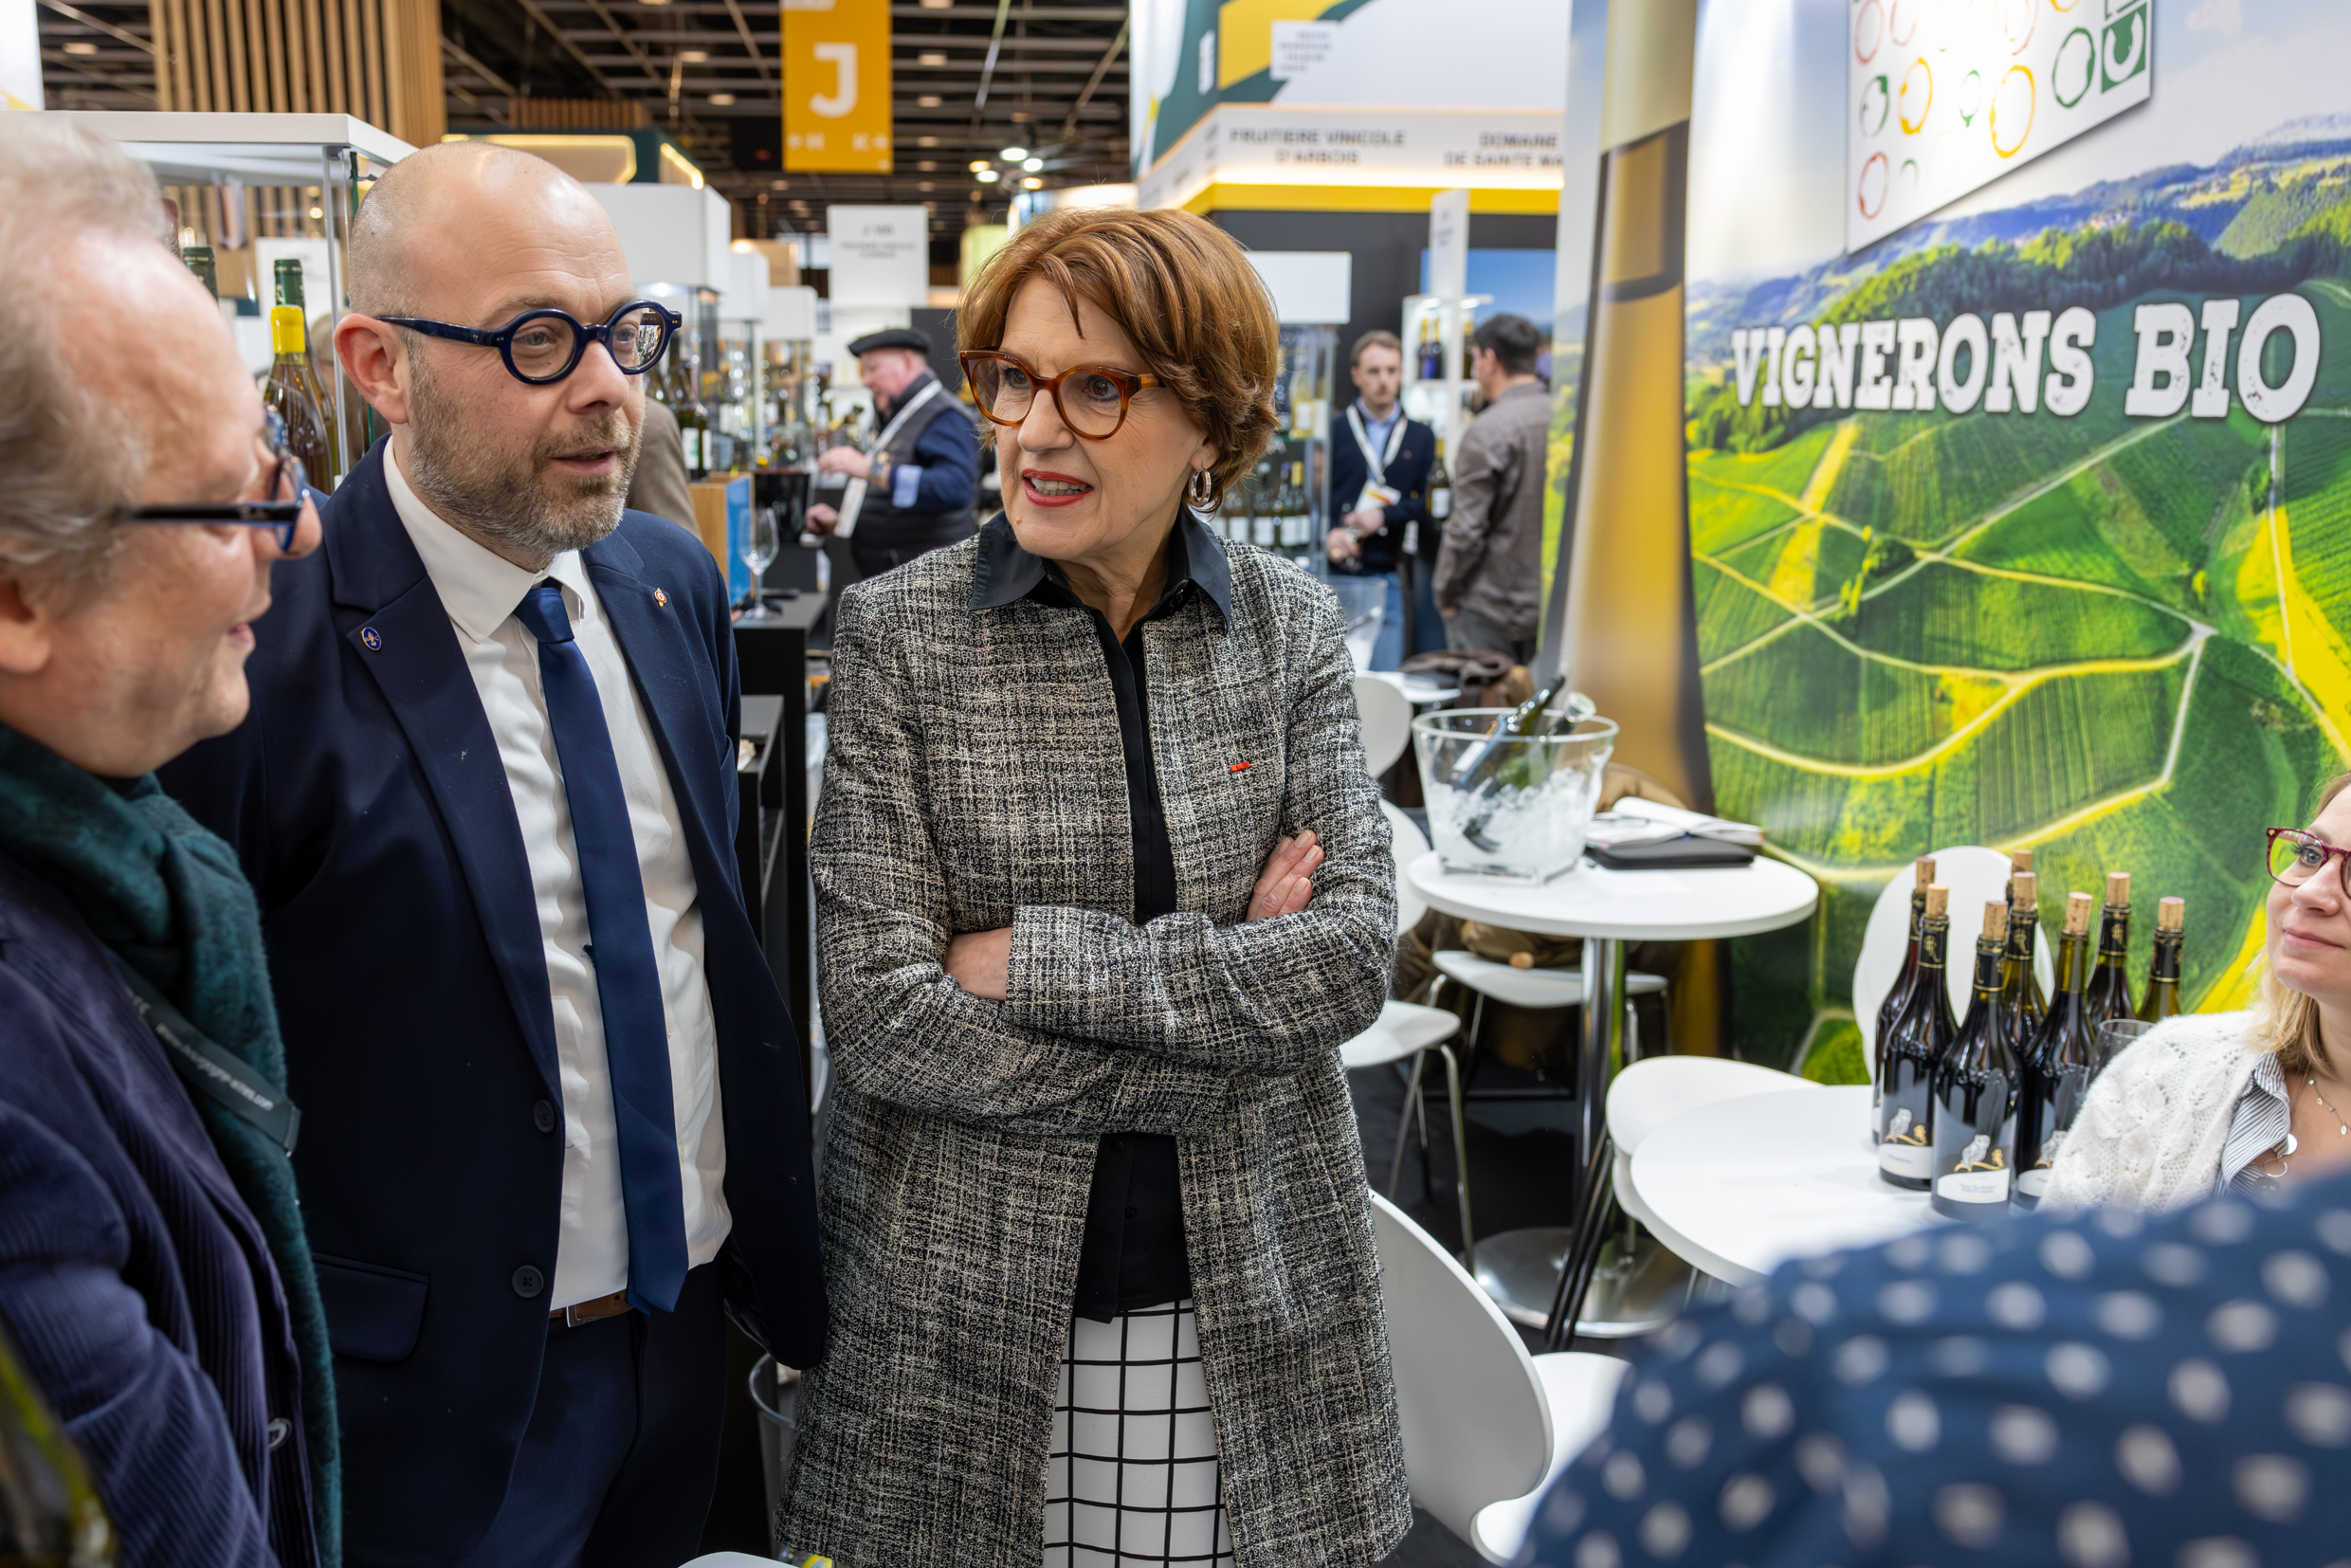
[1918, 96]
[1905, 24]
[2070, 72]
[1871, 192]
[2012, 111]
[1869, 31]
[1876, 103]
[2016, 19]
[1970, 99]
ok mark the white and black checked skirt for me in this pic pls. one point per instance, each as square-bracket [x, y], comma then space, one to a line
[1132, 1476]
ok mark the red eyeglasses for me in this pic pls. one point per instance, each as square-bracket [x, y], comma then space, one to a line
[2296, 856]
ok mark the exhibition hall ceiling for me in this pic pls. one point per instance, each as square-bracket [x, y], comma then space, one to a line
[968, 81]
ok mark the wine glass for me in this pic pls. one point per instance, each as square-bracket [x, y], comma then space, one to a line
[2115, 1036]
[758, 551]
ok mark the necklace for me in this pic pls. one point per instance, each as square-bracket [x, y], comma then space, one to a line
[2342, 1129]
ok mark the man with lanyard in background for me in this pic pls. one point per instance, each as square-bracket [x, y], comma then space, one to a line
[1380, 478]
[915, 489]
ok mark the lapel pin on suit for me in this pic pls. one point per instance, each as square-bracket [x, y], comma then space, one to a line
[661, 598]
[374, 638]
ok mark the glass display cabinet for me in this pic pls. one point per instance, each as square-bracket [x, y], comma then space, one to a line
[268, 199]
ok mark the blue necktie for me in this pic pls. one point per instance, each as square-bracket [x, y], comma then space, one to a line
[637, 1035]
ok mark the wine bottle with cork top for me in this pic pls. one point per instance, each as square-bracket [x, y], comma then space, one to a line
[1974, 1092]
[2163, 998]
[2020, 987]
[2110, 983]
[1922, 873]
[1908, 1053]
[291, 392]
[2063, 1060]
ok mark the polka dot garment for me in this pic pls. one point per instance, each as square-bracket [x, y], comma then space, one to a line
[2100, 1392]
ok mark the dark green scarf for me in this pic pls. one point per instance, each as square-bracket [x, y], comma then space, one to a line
[169, 898]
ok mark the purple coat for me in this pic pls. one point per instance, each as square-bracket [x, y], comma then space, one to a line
[134, 1280]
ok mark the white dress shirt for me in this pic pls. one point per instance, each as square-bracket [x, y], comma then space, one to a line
[480, 589]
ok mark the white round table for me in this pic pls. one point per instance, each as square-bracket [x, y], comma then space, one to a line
[1740, 1186]
[1608, 909]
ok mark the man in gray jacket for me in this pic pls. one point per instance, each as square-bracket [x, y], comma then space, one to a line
[1490, 573]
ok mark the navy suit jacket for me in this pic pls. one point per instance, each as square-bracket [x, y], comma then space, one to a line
[1409, 473]
[366, 799]
[135, 1283]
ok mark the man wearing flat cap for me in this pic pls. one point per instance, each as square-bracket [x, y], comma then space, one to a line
[920, 474]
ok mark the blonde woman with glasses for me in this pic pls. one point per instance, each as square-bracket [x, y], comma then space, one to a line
[2244, 1100]
[1101, 887]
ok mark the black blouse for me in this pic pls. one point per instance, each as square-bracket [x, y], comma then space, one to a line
[1133, 1255]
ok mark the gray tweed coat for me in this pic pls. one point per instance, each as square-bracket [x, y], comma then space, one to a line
[974, 780]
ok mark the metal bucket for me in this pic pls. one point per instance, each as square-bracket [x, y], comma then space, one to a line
[775, 1391]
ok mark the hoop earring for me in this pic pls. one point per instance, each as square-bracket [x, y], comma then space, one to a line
[1201, 494]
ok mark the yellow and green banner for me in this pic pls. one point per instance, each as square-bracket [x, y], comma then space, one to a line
[2026, 524]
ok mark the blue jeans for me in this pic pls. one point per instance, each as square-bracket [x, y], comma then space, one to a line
[1389, 652]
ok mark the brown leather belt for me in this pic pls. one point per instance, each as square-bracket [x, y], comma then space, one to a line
[588, 1312]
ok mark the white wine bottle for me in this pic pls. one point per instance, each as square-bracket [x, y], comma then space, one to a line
[1898, 994]
[1908, 1056]
[290, 391]
[2020, 987]
[2161, 1000]
[2063, 1060]
[1974, 1092]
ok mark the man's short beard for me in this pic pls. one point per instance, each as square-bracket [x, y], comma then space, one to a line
[509, 498]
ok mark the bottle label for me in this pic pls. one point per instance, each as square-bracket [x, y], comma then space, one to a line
[1411, 538]
[1907, 1148]
[2034, 1182]
[693, 439]
[1979, 1185]
[1262, 531]
[1441, 504]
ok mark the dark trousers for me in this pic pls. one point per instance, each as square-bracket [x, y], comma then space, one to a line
[617, 1465]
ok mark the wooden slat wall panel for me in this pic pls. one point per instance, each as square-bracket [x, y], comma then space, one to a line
[377, 60]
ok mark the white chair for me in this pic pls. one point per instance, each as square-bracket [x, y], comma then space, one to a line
[1538, 988]
[1975, 876]
[1387, 716]
[1486, 1427]
[1407, 1028]
[1646, 1095]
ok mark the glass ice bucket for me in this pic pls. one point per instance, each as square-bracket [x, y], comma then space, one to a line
[1509, 806]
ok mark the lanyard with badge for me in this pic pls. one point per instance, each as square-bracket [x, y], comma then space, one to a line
[1376, 491]
[853, 498]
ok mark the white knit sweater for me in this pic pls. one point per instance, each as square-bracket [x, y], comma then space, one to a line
[2150, 1133]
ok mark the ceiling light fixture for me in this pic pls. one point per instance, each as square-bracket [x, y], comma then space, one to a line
[694, 57]
[926, 187]
[722, 100]
[929, 100]
[977, 164]
[926, 166]
[92, 48]
[986, 176]
[927, 141]
[931, 59]
[1013, 154]
[1032, 183]
[1032, 165]
[936, 5]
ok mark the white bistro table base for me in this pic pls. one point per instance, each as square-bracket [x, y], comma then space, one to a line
[1606, 909]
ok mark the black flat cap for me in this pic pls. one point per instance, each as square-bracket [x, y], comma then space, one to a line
[896, 338]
